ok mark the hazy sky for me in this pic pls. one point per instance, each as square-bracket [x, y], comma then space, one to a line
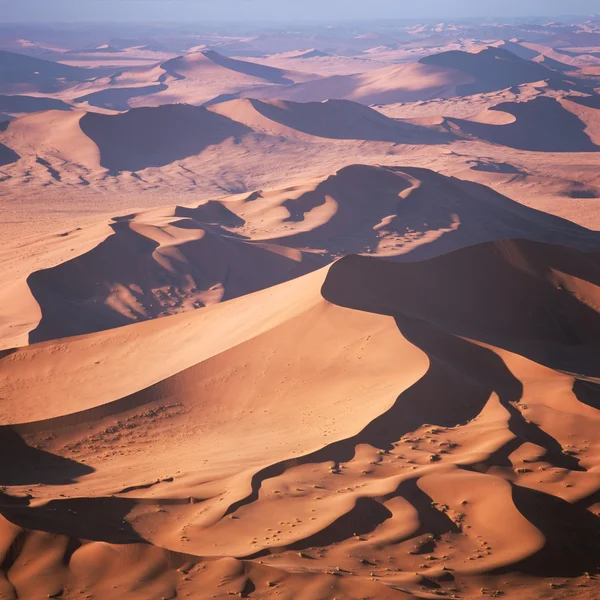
[281, 10]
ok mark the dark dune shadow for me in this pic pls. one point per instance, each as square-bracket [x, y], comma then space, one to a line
[156, 280]
[493, 69]
[572, 536]
[359, 210]
[175, 66]
[222, 98]
[587, 101]
[7, 155]
[155, 137]
[345, 120]
[470, 213]
[494, 292]
[28, 465]
[95, 519]
[488, 372]
[431, 520]
[47, 76]
[587, 392]
[482, 208]
[211, 212]
[489, 166]
[366, 515]
[542, 125]
[29, 104]
[270, 74]
[118, 98]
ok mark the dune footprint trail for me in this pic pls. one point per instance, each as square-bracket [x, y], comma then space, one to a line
[345, 434]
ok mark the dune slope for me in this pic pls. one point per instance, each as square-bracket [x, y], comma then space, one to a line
[443, 75]
[541, 125]
[448, 444]
[151, 137]
[333, 119]
[165, 261]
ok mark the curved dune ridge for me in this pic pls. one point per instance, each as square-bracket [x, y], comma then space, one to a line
[195, 78]
[543, 125]
[154, 137]
[90, 143]
[208, 77]
[333, 119]
[443, 75]
[170, 260]
[20, 74]
[454, 438]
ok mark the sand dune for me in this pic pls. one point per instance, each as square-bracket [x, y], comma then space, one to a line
[154, 265]
[449, 435]
[322, 63]
[334, 119]
[20, 74]
[241, 358]
[539, 55]
[443, 75]
[542, 124]
[195, 78]
[403, 83]
[562, 59]
[7, 155]
[190, 65]
[171, 260]
[151, 137]
[16, 104]
[52, 135]
[491, 69]
[141, 138]
[209, 77]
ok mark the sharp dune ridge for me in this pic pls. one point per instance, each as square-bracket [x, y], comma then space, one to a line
[195, 78]
[170, 260]
[572, 131]
[149, 137]
[443, 75]
[457, 439]
[159, 137]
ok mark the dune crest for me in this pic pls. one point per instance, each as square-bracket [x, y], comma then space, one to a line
[175, 259]
[433, 432]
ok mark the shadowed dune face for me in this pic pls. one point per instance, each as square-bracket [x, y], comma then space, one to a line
[341, 119]
[541, 125]
[154, 137]
[146, 271]
[492, 69]
[196, 78]
[118, 99]
[535, 302]
[29, 104]
[261, 71]
[430, 454]
[588, 101]
[7, 155]
[443, 75]
[19, 73]
[184, 66]
[172, 260]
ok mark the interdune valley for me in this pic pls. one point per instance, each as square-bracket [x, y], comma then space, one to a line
[300, 313]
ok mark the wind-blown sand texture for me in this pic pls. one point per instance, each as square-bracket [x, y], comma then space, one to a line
[310, 316]
[444, 441]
